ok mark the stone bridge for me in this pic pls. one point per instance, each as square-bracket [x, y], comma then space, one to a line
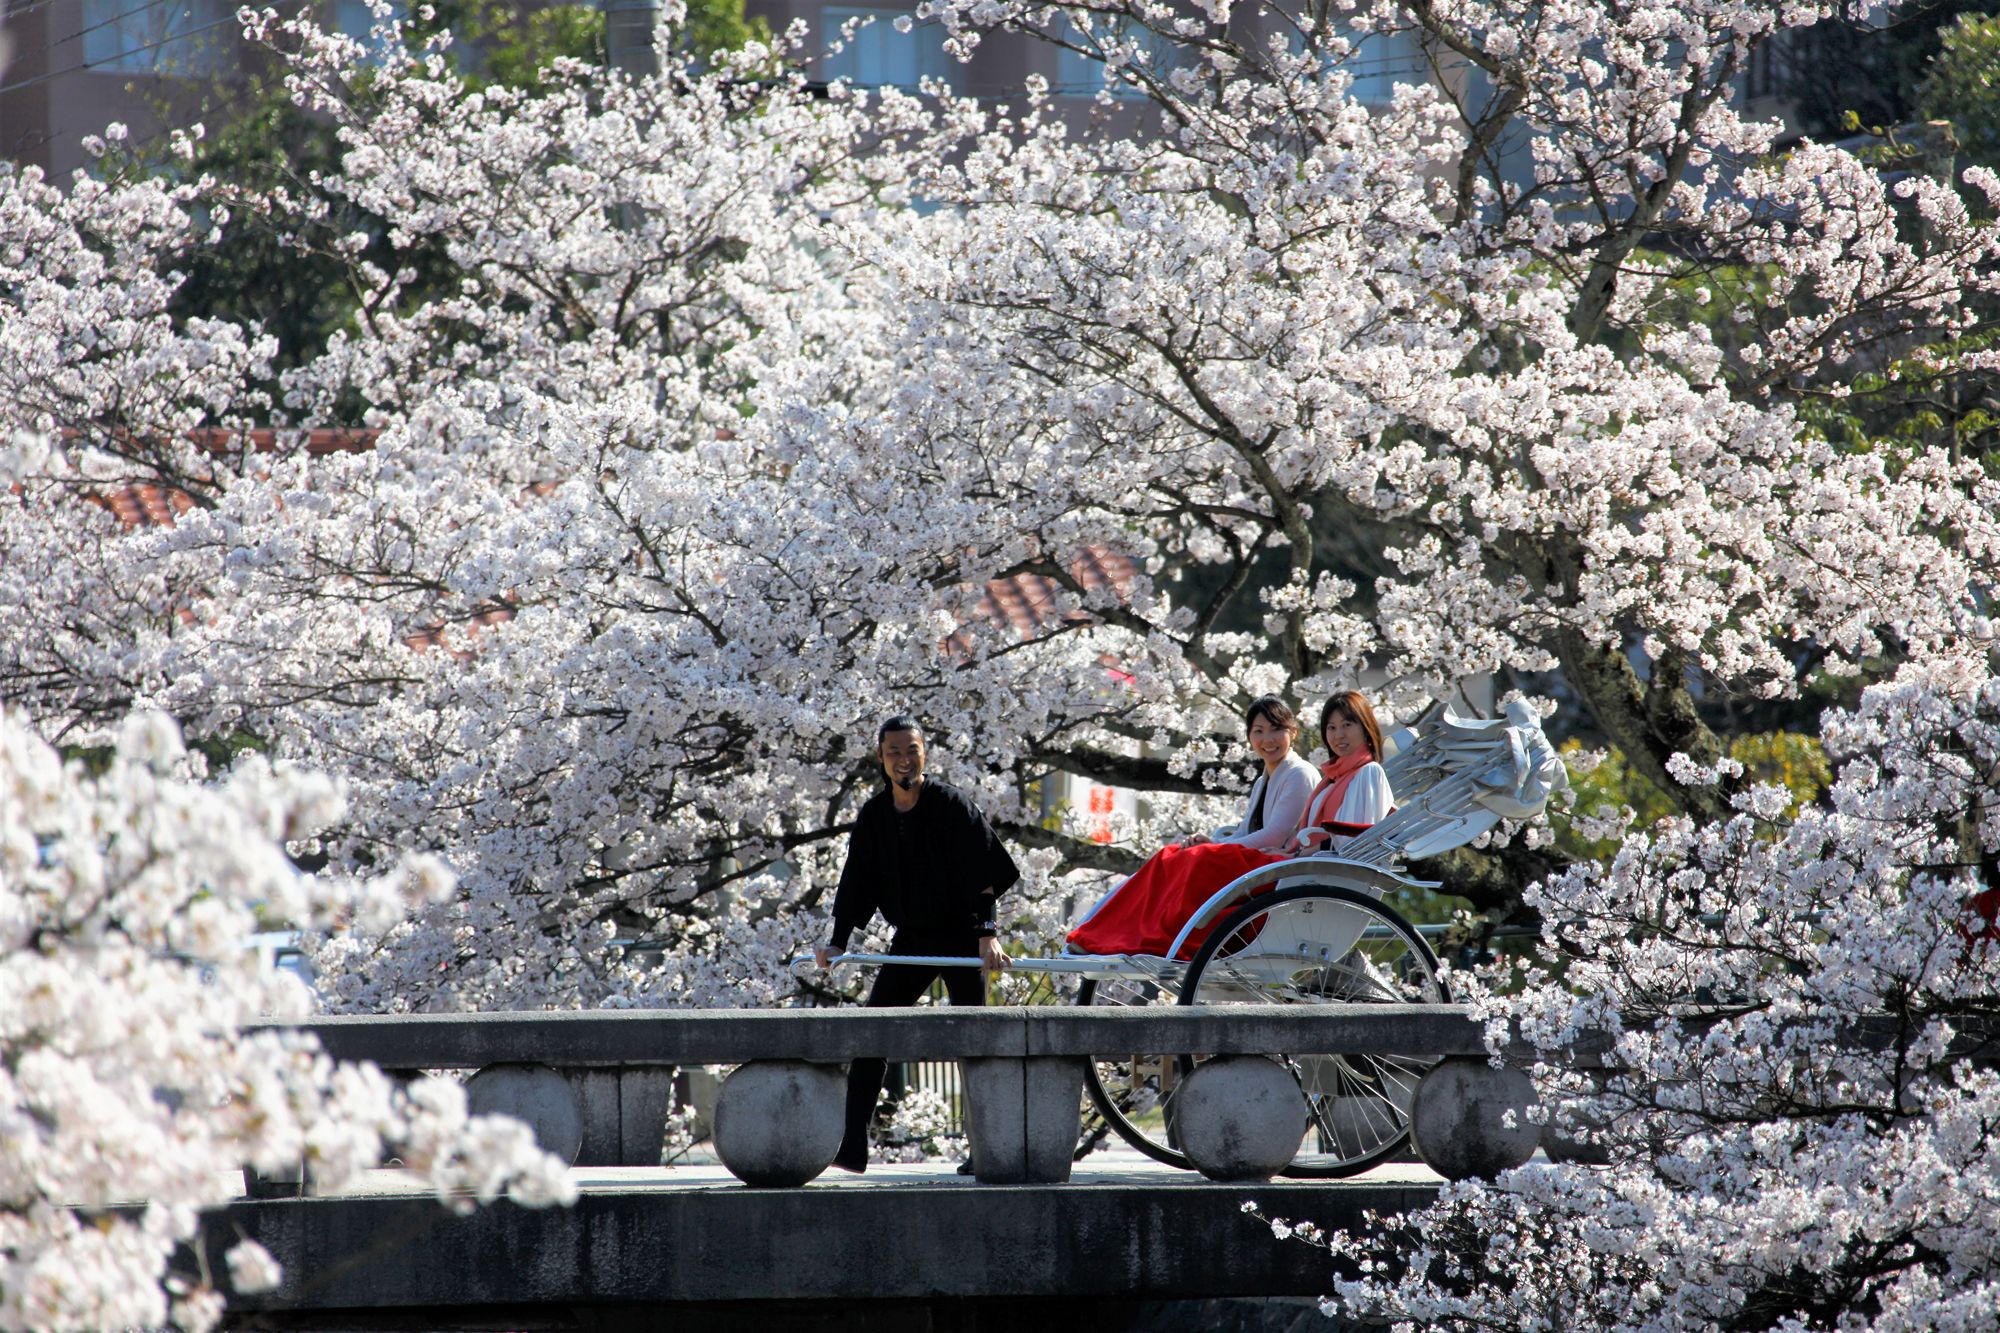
[903, 1246]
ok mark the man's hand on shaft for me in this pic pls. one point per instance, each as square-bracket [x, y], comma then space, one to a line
[991, 956]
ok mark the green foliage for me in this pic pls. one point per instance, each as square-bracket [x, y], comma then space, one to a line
[95, 760]
[219, 752]
[719, 25]
[222, 750]
[495, 44]
[1897, 400]
[1713, 299]
[498, 44]
[1599, 793]
[1786, 758]
[1924, 399]
[1914, 397]
[255, 273]
[1428, 907]
[1868, 69]
[1962, 85]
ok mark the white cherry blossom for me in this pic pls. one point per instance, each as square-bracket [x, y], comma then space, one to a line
[130, 1073]
[1793, 1126]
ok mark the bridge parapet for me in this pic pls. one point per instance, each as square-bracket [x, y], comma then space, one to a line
[1022, 1065]
[601, 1039]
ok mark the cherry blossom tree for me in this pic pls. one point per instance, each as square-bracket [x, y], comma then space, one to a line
[1793, 1122]
[1552, 365]
[747, 392]
[131, 1090]
[1508, 390]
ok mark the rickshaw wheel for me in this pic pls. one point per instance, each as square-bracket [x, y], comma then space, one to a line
[1327, 944]
[1135, 1093]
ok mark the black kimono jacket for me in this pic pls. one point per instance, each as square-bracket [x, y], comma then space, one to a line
[937, 884]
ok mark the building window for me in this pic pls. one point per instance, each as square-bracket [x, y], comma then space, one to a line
[876, 55]
[353, 18]
[1079, 75]
[1382, 60]
[184, 37]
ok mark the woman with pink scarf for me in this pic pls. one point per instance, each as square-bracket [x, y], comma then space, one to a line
[1149, 909]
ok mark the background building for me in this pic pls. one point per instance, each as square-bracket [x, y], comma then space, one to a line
[152, 65]
[75, 66]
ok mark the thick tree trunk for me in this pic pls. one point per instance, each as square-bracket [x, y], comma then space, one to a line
[1491, 881]
[1648, 721]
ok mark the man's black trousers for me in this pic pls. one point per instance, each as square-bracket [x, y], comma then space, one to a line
[902, 984]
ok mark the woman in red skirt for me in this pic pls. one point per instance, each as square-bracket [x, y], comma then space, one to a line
[1145, 912]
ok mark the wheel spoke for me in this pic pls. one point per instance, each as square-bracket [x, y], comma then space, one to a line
[1322, 1122]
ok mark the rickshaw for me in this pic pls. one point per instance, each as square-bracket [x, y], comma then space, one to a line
[1317, 929]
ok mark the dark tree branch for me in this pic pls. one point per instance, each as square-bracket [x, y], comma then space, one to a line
[1078, 854]
[1492, 881]
[1648, 721]
[1593, 300]
[1118, 771]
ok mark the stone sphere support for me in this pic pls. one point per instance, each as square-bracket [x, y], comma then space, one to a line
[778, 1122]
[536, 1095]
[1470, 1120]
[1240, 1117]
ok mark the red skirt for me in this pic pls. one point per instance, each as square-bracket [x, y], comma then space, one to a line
[1149, 909]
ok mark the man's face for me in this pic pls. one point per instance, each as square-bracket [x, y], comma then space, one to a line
[903, 758]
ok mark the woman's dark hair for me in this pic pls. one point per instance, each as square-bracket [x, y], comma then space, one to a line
[1273, 710]
[1353, 704]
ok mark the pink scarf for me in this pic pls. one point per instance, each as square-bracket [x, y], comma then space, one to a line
[1335, 775]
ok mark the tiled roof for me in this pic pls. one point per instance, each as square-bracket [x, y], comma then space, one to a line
[462, 632]
[264, 440]
[146, 506]
[1026, 603]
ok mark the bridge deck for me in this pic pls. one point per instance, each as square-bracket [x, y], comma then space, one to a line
[1110, 1167]
[385, 1253]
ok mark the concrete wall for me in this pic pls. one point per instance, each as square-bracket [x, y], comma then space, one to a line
[911, 1243]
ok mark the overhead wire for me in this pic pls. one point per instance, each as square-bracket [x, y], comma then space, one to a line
[117, 18]
[29, 7]
[111, 60]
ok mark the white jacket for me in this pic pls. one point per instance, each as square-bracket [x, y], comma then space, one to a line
[1291, 787]
[1367, 799]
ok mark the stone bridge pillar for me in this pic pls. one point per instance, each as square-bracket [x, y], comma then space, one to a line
[1023, 1117]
